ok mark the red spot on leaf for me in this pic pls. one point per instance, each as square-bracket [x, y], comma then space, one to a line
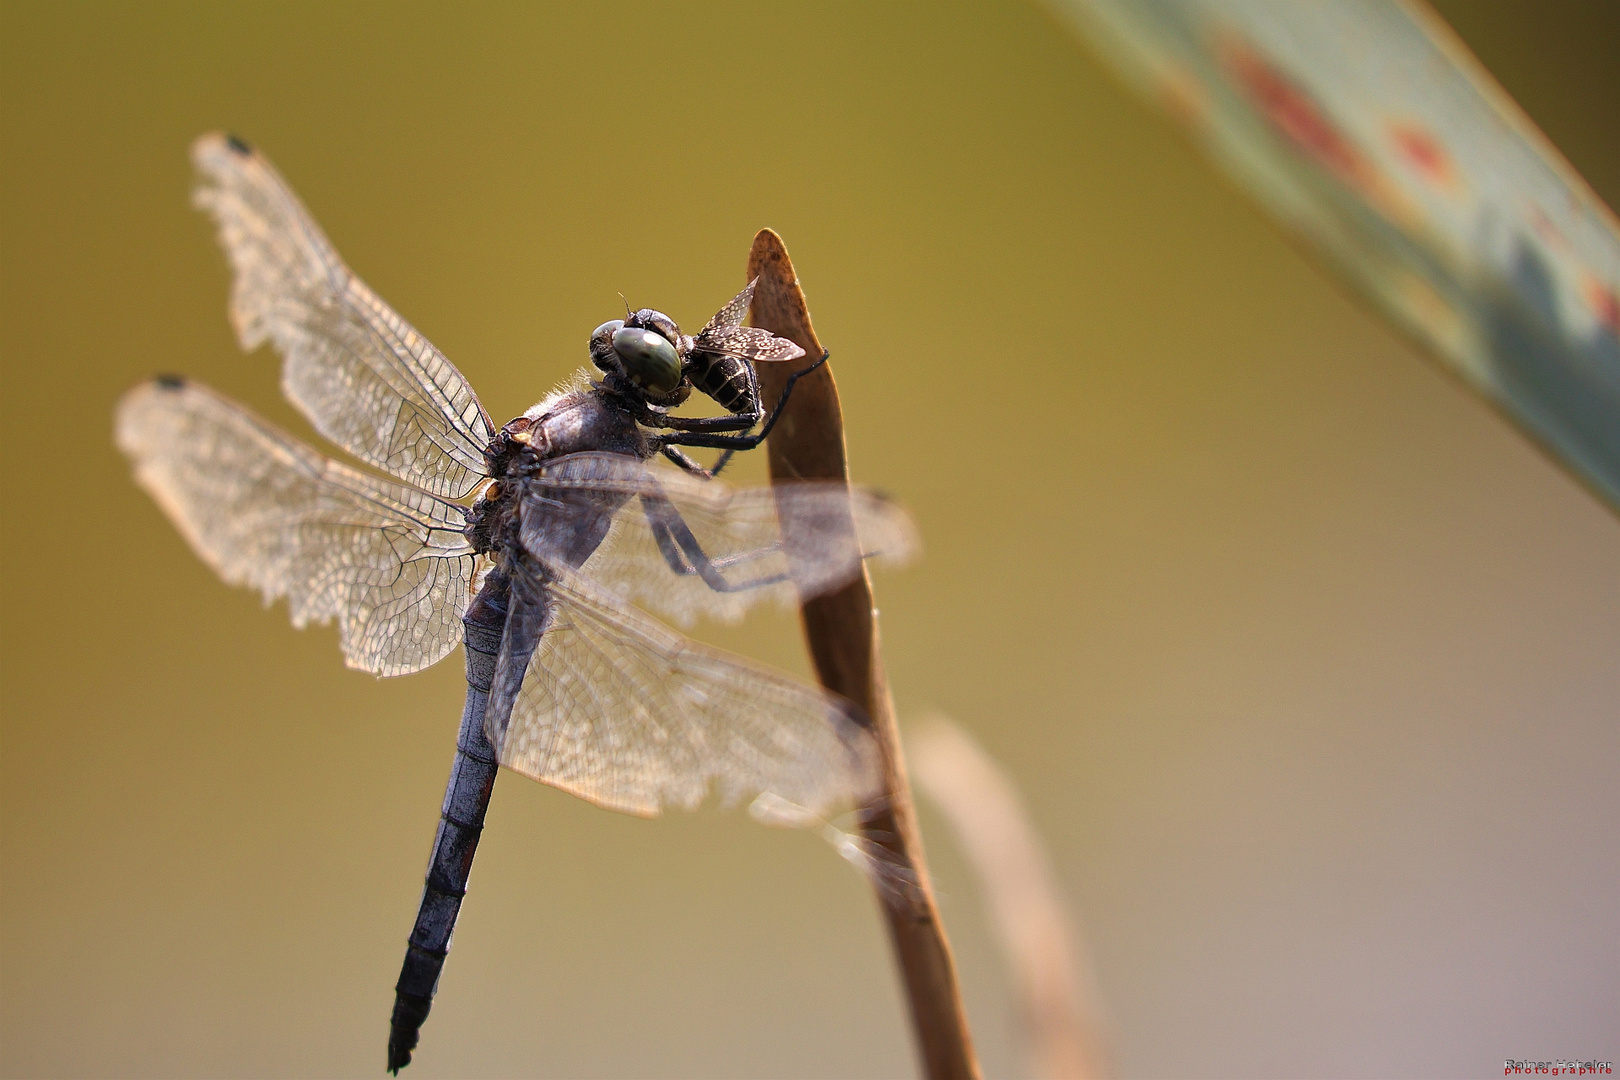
[1419, 147]
[1294, 114]
[1605, 305]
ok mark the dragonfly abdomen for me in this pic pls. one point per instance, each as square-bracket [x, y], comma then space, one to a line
[461, 823]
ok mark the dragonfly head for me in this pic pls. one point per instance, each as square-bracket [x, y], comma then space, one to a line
[644, 351]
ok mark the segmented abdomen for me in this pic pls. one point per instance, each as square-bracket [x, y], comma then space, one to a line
[724, 378]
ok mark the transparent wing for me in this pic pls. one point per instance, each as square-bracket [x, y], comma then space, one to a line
[746, 343]
[387, 561]
[364, 377]
[619, 709]
[688, 548]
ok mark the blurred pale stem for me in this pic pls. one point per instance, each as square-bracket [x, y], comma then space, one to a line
[1042, 945]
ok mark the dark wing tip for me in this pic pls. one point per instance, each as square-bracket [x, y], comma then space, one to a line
[238, 144]
[170, 382]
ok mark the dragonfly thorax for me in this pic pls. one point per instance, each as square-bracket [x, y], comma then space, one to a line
[571, 422]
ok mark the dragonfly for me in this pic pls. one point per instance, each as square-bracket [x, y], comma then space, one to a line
[544, 545]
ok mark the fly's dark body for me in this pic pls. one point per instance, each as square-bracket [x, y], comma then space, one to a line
[727, 380]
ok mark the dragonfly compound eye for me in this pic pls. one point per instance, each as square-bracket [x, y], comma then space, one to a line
[649, 360]
[602, 345]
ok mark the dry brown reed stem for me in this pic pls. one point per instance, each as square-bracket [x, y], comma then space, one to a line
[841, 631]
[1044, 947]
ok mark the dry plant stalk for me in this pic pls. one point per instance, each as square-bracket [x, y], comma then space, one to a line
[841, 631]
[1044, 948]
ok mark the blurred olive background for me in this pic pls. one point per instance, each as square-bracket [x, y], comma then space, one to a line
[1306, 662]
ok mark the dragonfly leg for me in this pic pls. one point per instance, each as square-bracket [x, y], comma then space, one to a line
[674, 454]
[787, 392]
[685, 555]
[686, 432]
[720, 462]
[671, 549]
[668, 548]
[753, 414]
[725, 422]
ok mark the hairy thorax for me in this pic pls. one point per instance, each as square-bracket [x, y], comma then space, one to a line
[563, 423]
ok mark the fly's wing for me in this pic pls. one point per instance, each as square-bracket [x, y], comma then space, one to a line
[746, 343]
[620, 710]
[735, 311]
[388, 562]
[688, 548]
[364, 377]
[724, 334]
